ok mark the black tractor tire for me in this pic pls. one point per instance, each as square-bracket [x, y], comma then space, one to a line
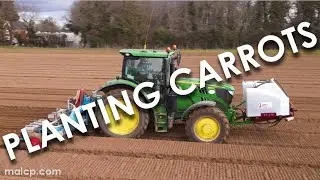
[143, 116]
[207, 112]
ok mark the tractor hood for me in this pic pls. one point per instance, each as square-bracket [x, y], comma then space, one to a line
[209, 84]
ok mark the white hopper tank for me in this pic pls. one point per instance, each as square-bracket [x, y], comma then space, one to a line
[263, 97]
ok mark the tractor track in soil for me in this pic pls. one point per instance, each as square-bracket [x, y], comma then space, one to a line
[108, 166]
[34, 87]
[253, 138]
[189, 151]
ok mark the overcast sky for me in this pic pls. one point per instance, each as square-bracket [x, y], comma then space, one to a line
[50, 8]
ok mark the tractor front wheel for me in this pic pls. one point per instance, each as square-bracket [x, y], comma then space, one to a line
[128, 126]
[207, 124]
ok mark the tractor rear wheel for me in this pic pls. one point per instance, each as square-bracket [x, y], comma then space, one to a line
[128, 126]
[207, 124]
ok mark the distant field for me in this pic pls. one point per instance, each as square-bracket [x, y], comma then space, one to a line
[35, 81]
[110, 51]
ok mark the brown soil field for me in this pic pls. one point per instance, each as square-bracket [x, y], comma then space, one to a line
[36, 81]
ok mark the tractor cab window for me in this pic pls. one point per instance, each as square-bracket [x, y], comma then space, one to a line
[141, 69]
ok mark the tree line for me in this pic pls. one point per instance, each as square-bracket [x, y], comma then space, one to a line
[190, 24]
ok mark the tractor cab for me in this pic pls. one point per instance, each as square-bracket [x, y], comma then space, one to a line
[148, 65]
[154, 66]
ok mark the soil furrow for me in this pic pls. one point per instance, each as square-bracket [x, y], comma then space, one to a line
[194, 151]
[253, 137]
[84, 166]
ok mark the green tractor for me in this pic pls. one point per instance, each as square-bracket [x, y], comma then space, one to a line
[206, 112]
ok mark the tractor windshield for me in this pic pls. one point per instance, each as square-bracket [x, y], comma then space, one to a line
[142, 69]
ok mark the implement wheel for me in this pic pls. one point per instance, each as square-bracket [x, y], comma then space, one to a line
[207, 124]
[128, 126]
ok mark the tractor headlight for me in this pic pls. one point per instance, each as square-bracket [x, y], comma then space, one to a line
[231, 92]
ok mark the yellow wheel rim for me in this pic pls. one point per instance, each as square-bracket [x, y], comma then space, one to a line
[207, 129]
[126, 124]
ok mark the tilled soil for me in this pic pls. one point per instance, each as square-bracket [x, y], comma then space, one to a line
[35, 82]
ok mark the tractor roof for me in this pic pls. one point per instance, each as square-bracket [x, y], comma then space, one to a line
[146, 53]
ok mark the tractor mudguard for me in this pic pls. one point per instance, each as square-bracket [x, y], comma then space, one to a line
[198, 105]
[116, 82]
[122, 82]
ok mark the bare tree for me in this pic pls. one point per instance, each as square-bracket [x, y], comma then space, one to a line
[8, 14]
[47, 25]
[29, 14]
